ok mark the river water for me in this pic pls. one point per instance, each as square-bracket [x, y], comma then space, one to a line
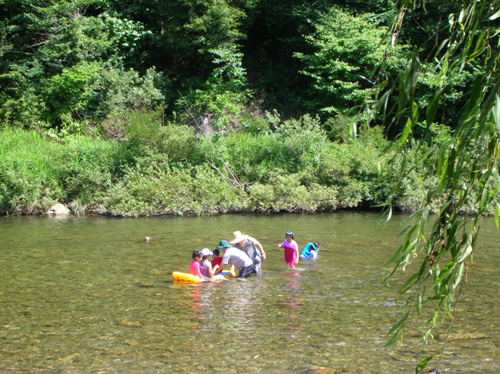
[89, 295]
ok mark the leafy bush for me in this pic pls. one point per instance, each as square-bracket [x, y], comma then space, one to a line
[36, 172]
[152, 187]
[285, 193]
[252, 156]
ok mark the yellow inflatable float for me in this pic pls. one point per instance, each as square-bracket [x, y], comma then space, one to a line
[190, 278]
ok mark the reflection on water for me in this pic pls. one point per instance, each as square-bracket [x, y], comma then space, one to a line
[89, 294]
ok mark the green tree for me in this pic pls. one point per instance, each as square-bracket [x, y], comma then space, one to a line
[54, 56]
[347, 50]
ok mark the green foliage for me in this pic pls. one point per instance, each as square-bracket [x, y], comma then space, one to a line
[36, 172]
[222, 103]
[67, 95]
[252, 156]
[215, 25]
[464, 170]
[146, 134]
[249, 156]
[274, 32]
[347, 51]
[55, 55]
[354, 169]
[118, 92]
[215, 31]
[27, 181]
[285, 193]
[152, 187]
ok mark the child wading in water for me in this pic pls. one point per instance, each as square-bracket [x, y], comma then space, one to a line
[206, 266]
[291, 250]
[310, 251]
[216, 260]
[194, 268]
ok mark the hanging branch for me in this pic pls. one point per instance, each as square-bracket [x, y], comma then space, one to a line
[467, 171]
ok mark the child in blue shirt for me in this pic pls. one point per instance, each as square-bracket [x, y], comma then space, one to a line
[310, 251]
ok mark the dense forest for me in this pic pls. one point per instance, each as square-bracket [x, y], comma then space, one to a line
[145, 107]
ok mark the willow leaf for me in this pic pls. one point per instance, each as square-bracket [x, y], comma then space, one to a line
[495, 16]
[422, 364]
[432, 108]
[408, 284]
[459, 275]
[467, 252]
[406, 133]
[396, 330]
[480, 46]
[495, 111]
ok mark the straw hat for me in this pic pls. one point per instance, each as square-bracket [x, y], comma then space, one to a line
[238, 237]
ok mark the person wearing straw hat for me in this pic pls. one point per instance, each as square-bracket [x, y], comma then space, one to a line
[251, 247]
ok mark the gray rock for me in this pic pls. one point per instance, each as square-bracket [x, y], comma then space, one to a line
[58, 210]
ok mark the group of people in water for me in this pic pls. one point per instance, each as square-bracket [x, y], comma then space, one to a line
[245, 255]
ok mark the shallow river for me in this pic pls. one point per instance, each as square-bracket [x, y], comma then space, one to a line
[89, 295]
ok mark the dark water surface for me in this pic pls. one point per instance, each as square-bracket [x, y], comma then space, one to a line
[88, 295]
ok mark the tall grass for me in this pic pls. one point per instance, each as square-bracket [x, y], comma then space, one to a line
[36, 172]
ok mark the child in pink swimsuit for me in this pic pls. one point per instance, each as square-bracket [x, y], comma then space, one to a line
[291, 250]
[194, 268]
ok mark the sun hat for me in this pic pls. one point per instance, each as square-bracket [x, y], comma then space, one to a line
[206, 252]
[224, 244]
[238, 237]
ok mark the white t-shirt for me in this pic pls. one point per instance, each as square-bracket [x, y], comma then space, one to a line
[236, 257]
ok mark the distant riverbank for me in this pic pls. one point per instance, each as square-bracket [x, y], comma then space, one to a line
[179, 173]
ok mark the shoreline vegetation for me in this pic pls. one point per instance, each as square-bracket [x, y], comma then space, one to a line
[172, 170]
[108, 110]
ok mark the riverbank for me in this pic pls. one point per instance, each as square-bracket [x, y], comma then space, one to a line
[295, 169]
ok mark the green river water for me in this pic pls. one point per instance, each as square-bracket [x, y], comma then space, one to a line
[89, 295]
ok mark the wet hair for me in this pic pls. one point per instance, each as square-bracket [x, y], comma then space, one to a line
[289, 233]
[316, 245]
[216, 252]
[197, 253]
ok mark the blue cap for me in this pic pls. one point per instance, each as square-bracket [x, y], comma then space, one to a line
[224, 244]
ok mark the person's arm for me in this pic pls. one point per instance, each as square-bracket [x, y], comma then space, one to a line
[296, 251]
[210, 269]
[259, 248]
[225, 261]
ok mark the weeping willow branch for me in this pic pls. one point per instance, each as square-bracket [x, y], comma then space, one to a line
[466, 171]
